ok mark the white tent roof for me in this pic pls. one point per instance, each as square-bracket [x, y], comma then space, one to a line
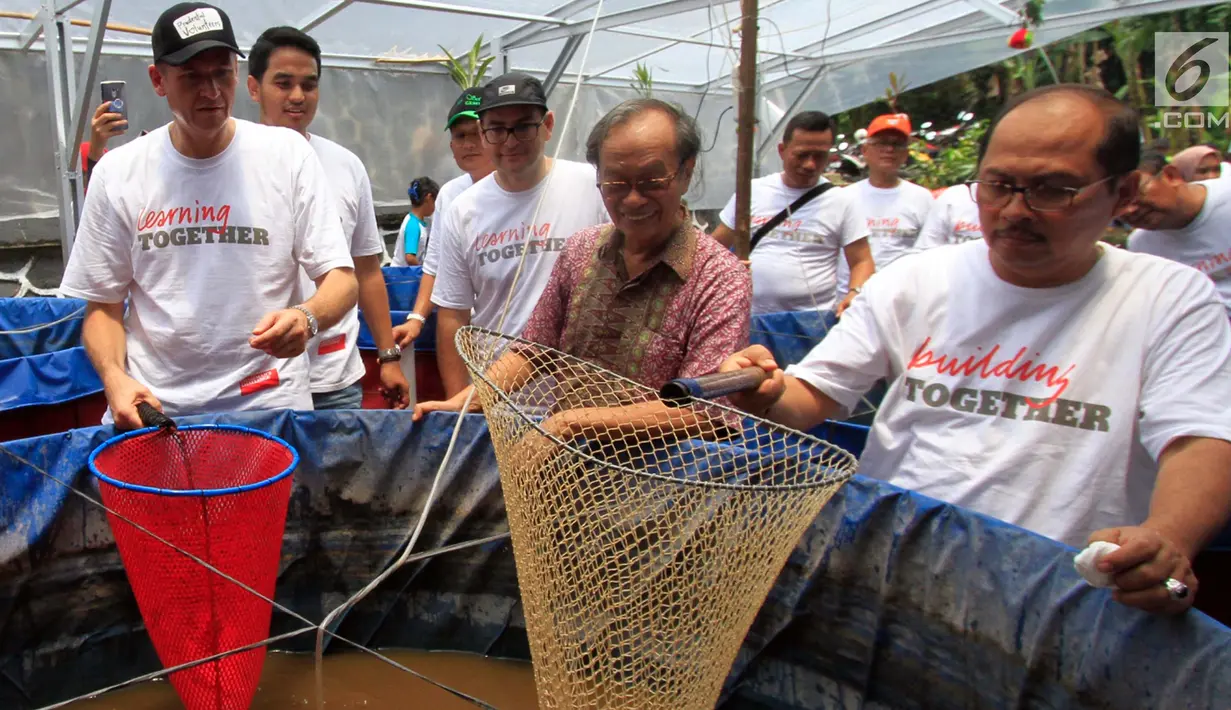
[690, 45]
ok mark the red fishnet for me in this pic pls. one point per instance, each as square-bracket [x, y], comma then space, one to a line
[189, 611]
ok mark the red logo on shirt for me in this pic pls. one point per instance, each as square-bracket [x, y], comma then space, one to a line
[258, 382]
[332, 345]
[986, 367]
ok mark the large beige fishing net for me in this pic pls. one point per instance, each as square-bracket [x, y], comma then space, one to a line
[643, 552]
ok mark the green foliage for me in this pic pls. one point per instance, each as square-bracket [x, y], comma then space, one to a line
[953, 163]
[469, 70]
[643, 80]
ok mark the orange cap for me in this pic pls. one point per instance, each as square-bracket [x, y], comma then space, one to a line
[899, 122]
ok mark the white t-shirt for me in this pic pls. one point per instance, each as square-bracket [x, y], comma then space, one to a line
[954, 219]
[1046, 408]
[448, 193]
[895, 215]
[334, 353]
[795, 267]
[485, 231]
[1205, 244]
[203, 249]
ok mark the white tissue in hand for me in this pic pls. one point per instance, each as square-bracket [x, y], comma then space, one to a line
[1087, 561]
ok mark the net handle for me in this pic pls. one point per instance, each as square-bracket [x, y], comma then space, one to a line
[679, 391]
[193, 492]
[151, 417]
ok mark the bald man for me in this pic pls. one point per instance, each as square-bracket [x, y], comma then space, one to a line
[1036, 375]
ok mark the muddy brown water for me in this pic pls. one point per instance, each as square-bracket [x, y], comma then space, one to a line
[358, 681]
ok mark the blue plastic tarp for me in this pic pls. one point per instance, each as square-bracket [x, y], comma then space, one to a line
[402, 285]
[43, 325]
[890, 600]
[790, 335]
[43, 361]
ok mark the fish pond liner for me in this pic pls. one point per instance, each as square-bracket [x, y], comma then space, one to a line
[891, 599]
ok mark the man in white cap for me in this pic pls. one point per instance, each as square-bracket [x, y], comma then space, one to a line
[203, 226]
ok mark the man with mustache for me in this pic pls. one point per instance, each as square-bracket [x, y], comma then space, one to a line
[284, 71]
[1037, 375]
[520, 215]
[204, 226]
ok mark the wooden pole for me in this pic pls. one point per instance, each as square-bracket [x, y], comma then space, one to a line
[745, 126]
[111, 26]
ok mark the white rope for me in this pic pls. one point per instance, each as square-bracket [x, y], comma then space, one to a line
[21, 331]
[286, 610]
[461, 416]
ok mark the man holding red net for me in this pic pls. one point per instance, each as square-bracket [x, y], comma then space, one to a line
[203, 226]
[1036, 375]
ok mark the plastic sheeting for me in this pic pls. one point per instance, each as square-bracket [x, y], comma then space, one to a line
[31, 326]
[45, 365]
[891, 600]
[394, 122]
[790, 335]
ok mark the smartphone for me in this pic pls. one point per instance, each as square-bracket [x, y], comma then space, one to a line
[113, 91]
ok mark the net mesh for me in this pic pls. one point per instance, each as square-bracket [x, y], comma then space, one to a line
[189, 611]
[646, 537]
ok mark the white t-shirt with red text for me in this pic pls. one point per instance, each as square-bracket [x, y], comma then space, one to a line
[1046, 408]
[954, 219]
[334, 354]
[486, 231]
[448, 193]
[1205, 244]
[202, 250]
[894, 215]
[795, 266]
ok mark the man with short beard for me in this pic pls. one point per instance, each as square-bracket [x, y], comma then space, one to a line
[506, 232]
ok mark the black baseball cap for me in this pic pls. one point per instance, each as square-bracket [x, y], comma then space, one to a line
[466, 106]
[513, 89]
[185, 30]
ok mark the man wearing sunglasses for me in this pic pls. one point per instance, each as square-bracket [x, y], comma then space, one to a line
[1036, 375]
[522, 214]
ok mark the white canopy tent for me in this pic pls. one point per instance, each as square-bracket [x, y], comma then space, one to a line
[380, 99]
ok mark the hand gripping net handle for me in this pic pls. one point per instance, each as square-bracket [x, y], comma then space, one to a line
[646, 546]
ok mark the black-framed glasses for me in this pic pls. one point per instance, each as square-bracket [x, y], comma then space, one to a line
[1040, 198]
[619, 189]
[522, 132]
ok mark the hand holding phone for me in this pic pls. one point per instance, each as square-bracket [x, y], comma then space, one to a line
[113, 94]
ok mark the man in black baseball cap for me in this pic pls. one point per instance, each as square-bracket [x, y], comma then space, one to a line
[513, 89]
[204, 226]
[466, 106]
[523, 213]
[189, 28]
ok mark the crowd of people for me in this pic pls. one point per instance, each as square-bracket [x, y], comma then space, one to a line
[1032, 372]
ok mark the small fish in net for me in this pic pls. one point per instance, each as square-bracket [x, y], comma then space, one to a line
[647, 533]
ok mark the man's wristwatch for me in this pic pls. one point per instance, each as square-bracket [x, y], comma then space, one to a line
[415, 316]
[856, 290]
[393, 354]
[314, 325]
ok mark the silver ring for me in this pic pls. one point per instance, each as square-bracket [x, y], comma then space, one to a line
[1176, 589]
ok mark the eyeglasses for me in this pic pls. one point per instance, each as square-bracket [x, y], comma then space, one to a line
[619, 189]
[522, 132]
[1040, 198]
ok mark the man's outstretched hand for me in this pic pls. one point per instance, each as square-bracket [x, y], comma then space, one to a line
[281, 333]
